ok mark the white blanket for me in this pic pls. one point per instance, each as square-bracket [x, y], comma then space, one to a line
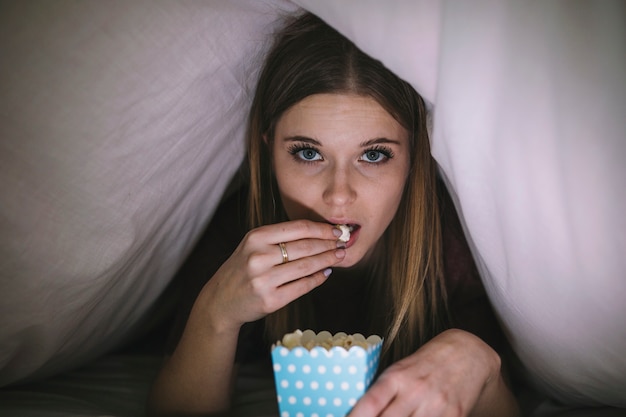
[121, 123]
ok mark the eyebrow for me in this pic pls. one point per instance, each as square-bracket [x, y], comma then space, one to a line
[377, 141]
[316, 142]
[303, 139]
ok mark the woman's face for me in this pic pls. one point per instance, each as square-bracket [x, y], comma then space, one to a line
[342, 159]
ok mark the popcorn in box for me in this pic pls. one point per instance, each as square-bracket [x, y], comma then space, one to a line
[321, 375]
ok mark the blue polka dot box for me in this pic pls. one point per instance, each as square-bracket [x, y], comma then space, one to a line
[323, 375]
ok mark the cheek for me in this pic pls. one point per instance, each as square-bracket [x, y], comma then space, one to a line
[294, 192]
[288, 188]
[388, 202]
[389, 197]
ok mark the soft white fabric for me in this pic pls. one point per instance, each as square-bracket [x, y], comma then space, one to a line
[529, 122]
[121, 124]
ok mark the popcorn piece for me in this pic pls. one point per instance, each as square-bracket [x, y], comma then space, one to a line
[345, 232]
[291, 340]
[309, 339]
[373, 340]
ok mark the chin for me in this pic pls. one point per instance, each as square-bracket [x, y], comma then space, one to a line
[349, 261]
[344, 264]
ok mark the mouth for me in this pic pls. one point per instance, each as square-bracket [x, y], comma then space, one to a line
[348, 233]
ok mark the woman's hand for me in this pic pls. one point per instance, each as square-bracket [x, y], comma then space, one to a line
[197, 379]
[254, 281]
[453, 375]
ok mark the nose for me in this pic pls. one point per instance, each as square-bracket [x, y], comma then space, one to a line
[340, 187]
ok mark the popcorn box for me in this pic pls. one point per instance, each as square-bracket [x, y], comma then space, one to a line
[322, 381]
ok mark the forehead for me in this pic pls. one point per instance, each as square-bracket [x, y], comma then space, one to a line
[322, 114]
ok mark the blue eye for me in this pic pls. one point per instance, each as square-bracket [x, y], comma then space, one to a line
[377, 155]
[305, 153]
[309, 154]
[373, 156]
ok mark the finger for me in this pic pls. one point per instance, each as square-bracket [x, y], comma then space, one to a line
[298, 229]
[304, 267]
[303, 248]
[406, 405]
[297, 288]
[421, 400]
[375, 400]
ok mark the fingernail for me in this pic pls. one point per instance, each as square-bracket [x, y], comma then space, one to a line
[327, 272]
[336, 232]
[340, 253]
[341, 244]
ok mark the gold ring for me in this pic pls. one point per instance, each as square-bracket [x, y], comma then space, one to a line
[283, 250]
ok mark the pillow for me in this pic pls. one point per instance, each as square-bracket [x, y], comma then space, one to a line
[529, 103]
[122, 124]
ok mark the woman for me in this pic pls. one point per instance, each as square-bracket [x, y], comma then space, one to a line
[336, 138]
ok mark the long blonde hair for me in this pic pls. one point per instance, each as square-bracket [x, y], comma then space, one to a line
[309, 57]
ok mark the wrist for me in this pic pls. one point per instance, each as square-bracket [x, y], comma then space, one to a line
[212, 317]
[490, 360]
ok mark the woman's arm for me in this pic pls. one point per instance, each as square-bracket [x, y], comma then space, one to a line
[455, 374]
[198, 376]
[496, 399]
[252, 283]
[197, 350]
